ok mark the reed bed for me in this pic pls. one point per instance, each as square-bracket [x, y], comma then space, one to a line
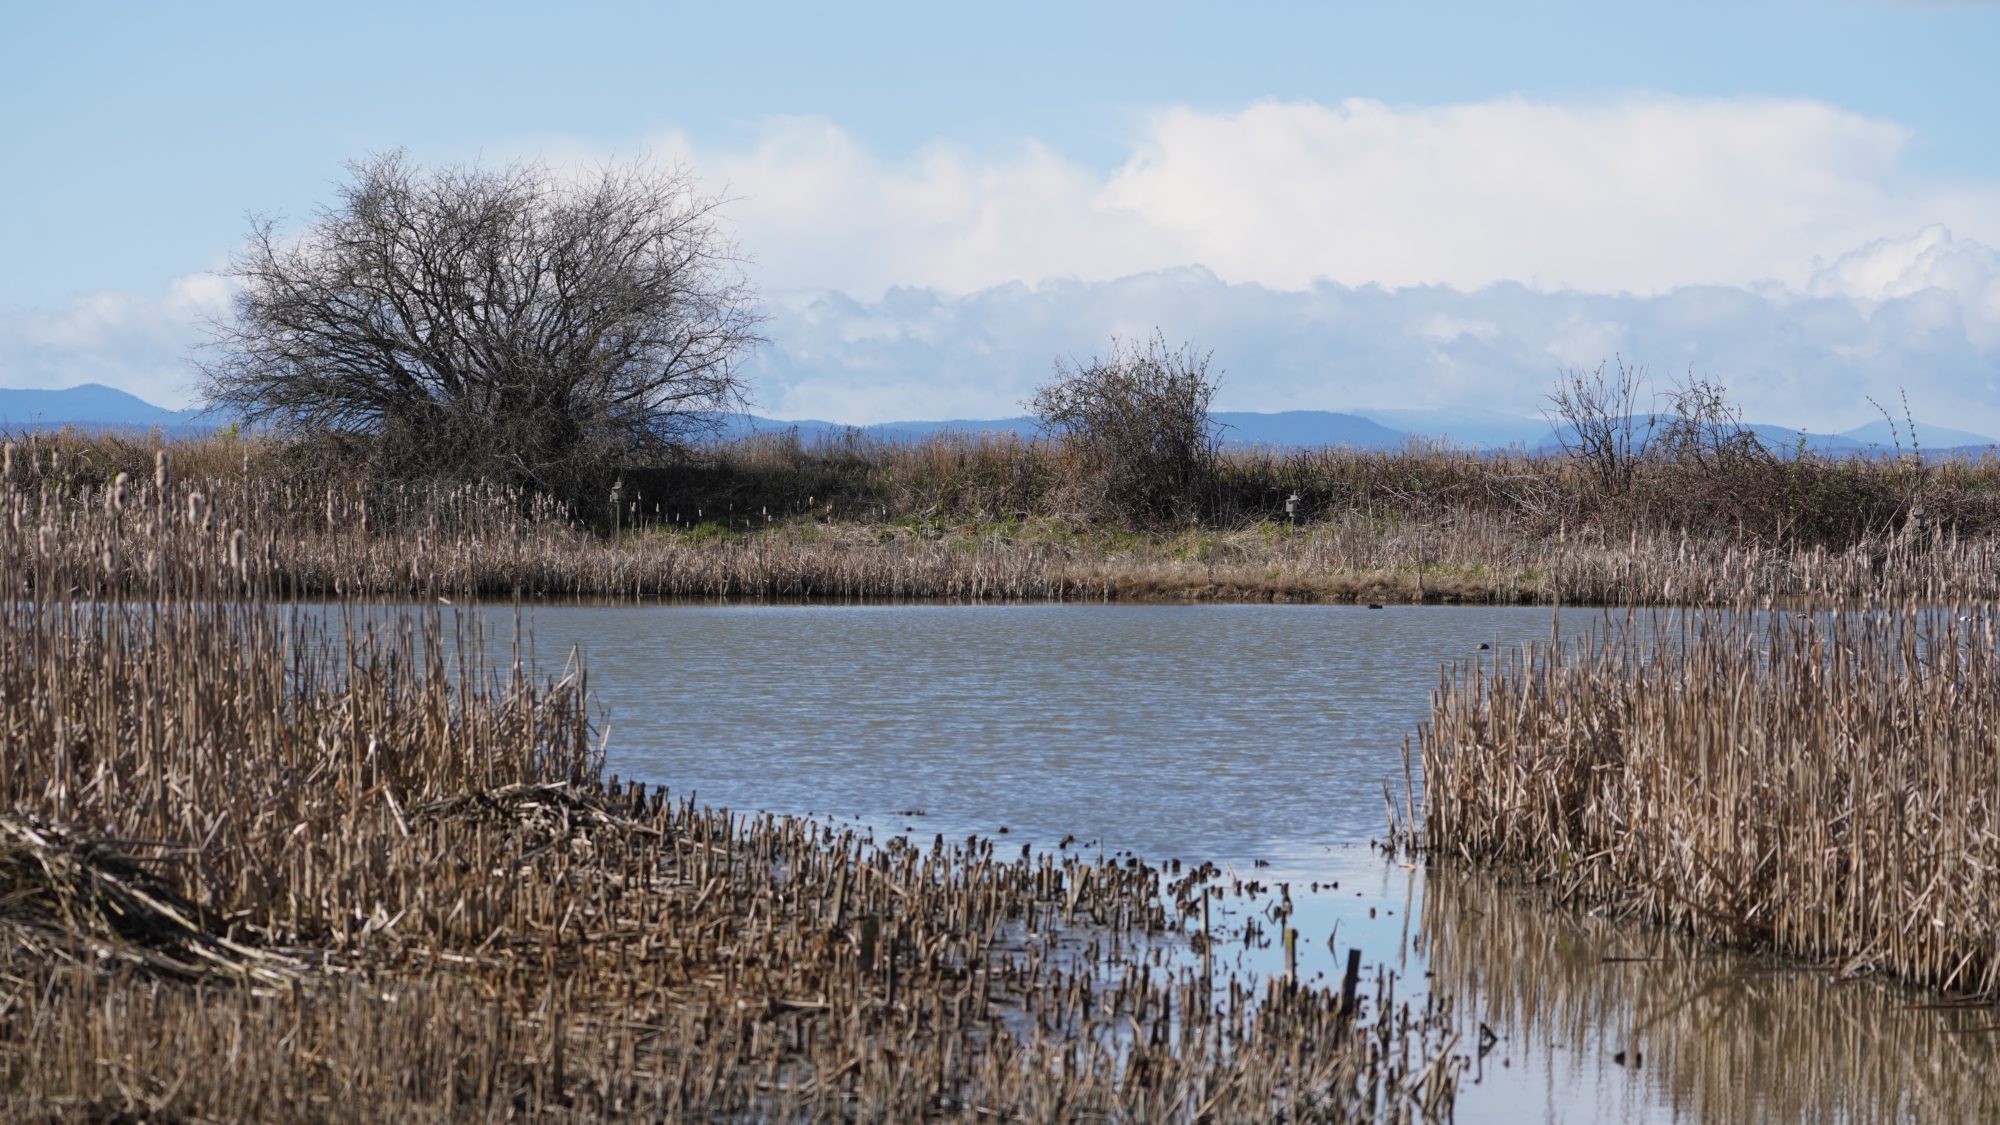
[264, 861]
[307, 535]
[1822, 785]
[1712, 1034]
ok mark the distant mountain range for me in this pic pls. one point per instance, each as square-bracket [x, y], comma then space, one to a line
[1392, 429]
[97, 407]
[1290, 428]
[93, 406]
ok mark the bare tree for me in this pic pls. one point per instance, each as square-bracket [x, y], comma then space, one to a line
[1704, 430]
[1137, 426]
[505, 324]
[1596, 420]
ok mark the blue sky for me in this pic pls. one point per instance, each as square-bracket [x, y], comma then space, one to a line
[1551, 174]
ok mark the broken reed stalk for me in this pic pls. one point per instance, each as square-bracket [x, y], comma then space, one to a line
[268, 861]
[1822, 785]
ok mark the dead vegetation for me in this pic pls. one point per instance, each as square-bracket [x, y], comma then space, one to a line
[1819, 784]
[266, 860]
[970, 520]
[84, 903]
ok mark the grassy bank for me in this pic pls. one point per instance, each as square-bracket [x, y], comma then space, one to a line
[265, 863]
[982, 520]
[1825, 786]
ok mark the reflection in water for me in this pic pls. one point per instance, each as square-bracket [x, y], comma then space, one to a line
[1706, 1035]
[1232, 733]
[1258, 738]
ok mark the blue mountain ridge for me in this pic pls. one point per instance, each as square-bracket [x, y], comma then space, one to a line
[93, 406]
[1288, 429]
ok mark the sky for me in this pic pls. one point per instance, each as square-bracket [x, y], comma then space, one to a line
[1419, 205]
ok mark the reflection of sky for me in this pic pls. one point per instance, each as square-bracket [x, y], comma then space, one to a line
[1226, 733]
[1258, 738]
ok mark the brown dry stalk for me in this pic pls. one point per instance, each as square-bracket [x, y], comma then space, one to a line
[1825, 785]
[265, 861]
[962, 521]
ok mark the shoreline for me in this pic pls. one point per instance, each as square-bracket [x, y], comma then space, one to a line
[1820, 787]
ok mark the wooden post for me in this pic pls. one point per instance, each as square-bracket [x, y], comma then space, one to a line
[1349, 982]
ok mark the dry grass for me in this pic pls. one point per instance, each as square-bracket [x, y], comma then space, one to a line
[1826, 786]
[269, 862]
[307, 533]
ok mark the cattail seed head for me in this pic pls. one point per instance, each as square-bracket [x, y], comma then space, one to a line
[161, 477]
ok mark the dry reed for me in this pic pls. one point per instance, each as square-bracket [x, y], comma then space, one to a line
[311, 534]
[1824, 785]
[263, 861]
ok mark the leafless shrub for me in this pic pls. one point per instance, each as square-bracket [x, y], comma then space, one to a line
[1597, 422]
[506, 325]
[1705, 431]
[1136, 424]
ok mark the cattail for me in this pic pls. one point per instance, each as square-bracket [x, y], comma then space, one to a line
[161, 477]
[7, 463]
[114, 499]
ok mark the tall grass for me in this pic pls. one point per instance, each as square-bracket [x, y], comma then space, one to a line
[268, 862]
[960, 520]
[1825, 785]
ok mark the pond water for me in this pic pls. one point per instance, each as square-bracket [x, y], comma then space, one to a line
[1260, 738]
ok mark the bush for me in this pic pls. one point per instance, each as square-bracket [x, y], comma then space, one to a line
[1135, 430]
[509, 325]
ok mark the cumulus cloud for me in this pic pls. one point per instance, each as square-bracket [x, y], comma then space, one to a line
[136, 342]
[1358, 254]
[1642, 194]
[1915, 314]
[818, 210]
[1963, 275]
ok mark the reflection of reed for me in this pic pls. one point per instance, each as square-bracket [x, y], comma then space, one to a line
[1717, 1036]
[1822, 786]
[259, 862]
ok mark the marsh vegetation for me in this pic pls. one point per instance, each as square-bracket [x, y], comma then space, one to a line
[235, 827]
[984, 519]
[260, 861]
[1825, 785]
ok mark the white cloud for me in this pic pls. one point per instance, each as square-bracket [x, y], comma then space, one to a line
[1351, 254]
[817, 210]
[1793, 357]
[1964, 273]
[1641, 194]
[137, 343]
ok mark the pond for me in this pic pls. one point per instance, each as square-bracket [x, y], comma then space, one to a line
[1263, 739]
